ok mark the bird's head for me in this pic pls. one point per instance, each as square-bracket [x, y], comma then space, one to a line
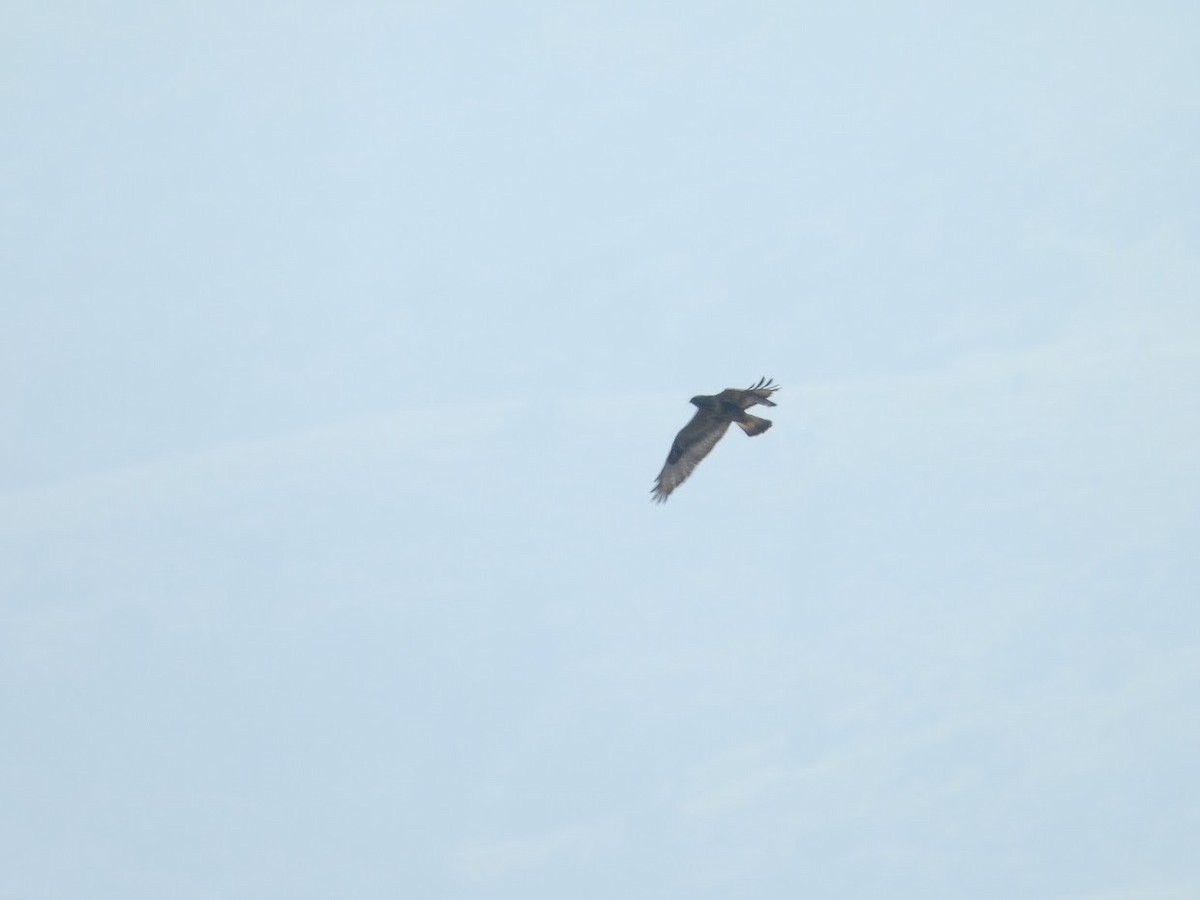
[702, 401]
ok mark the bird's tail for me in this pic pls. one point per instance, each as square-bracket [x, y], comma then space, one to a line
[753, 425]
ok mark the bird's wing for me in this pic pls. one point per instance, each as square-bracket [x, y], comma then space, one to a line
[692, 444]
[754, 395]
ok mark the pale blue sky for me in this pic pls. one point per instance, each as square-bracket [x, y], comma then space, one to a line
[343, 343]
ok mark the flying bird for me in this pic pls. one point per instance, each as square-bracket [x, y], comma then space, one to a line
[712, 419]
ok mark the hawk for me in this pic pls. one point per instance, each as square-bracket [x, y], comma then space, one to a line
[708, 426]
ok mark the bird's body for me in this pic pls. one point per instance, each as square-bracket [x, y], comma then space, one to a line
[714, 414]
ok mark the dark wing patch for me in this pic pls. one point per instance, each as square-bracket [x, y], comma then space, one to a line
[692, 444]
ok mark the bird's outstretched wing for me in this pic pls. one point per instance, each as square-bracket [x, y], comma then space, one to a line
[755, 394]
[692, 444]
